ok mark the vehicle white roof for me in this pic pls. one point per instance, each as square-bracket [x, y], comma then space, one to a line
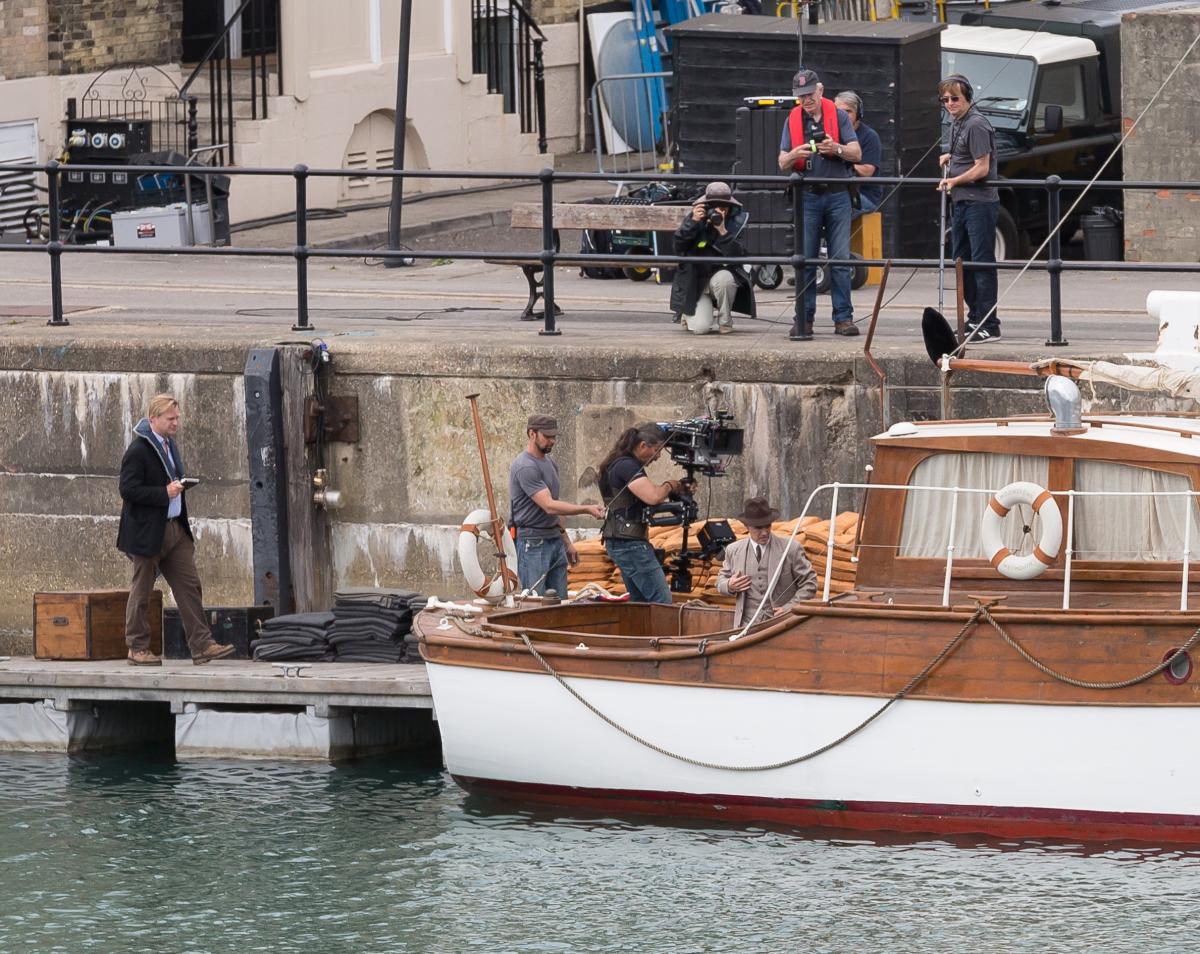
[1040, 47]
[1158, 433]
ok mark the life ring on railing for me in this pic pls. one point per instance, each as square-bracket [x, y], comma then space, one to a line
[477, 522]
[991, 530]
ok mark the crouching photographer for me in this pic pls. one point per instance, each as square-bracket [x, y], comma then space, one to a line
[707, 292]
[627, 492]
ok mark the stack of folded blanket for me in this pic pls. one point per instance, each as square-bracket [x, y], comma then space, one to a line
[300, 636]
[369, 625]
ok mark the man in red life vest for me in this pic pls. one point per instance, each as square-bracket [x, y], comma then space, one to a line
[819, 141]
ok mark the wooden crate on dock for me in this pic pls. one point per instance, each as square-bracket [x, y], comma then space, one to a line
[89, 625]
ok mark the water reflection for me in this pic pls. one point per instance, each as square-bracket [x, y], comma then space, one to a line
[125, 854]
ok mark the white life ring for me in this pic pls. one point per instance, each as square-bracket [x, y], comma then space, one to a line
[991, 530]
[477, 522]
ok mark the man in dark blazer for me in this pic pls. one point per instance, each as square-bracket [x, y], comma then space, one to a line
[154, 534]
[750, 565]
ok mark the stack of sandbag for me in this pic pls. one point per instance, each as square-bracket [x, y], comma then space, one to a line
[369, 625]
[297, 637]
[813, 535]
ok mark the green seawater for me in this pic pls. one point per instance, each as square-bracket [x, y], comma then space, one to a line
[116, 854]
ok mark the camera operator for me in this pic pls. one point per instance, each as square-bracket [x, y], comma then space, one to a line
[710, 233]
[627, 491]
[819, 140]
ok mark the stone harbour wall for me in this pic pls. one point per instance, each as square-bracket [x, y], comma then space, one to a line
[414, 474]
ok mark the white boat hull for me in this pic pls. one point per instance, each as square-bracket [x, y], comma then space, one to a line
[1002, 768]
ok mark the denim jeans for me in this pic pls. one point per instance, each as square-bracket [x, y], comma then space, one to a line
[542, 564]
[973, 238]
[865, 206]
[829, 211]
[640, 570]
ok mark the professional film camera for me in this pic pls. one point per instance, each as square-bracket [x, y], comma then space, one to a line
[697, 445]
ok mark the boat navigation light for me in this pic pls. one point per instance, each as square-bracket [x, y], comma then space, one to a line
[1062, 395]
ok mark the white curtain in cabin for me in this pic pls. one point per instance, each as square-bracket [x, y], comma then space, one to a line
[927, 512]
[1131, 528]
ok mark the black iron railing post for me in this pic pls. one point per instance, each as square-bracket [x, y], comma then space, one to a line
[1054, 267]
[548, 253]
[55, 248]
[800, 330]
[301, 250]
[539, 92]
[193, 126]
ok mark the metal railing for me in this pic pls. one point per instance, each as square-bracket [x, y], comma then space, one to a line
[1069, 550]
[254, 39]
[506, 47]
[629, 122]
[549, 253]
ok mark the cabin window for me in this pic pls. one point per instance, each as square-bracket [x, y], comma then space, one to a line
[927, 512]
[1132, 528]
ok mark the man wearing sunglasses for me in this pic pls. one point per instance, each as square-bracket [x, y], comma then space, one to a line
[819, 140]
[969, 158]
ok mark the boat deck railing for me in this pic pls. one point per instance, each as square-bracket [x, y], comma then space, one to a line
[955, 493]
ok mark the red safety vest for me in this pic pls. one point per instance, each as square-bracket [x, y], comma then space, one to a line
[829, 119]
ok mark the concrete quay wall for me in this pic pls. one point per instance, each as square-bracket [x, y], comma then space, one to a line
[414, 473]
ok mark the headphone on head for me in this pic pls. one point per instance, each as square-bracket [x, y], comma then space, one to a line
[854, 99]
[968, 89]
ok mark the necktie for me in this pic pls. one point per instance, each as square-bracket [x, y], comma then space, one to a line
[171, 470]
[757, 553]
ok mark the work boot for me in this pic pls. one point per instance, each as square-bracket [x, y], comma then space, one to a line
[143, 657]
[847, 329]
[210, 652]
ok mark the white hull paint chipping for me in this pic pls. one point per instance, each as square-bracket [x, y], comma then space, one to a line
[525, 728]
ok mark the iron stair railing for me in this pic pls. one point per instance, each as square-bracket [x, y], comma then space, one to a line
[255, 31]
[506, 47]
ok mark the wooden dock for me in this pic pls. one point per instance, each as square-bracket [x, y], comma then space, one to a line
[226, 708]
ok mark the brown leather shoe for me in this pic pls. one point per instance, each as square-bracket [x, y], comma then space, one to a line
[143, 657]
[847, 329]
[210, 652]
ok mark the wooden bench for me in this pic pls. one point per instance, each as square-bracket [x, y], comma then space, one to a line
[582, 215]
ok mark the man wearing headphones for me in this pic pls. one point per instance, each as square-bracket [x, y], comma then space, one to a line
[969, 159]
[869, 196]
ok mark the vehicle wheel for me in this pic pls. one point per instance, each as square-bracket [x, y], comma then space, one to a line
[638, 273]
[859, 276]
[1008, 241]
[824, 278]
[768, 277]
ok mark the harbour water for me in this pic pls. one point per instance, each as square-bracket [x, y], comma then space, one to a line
[119, 854]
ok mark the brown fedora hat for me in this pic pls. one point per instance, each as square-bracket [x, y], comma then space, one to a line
[756, 512]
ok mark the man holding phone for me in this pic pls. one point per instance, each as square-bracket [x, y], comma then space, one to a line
[819, 140]
[154, 534]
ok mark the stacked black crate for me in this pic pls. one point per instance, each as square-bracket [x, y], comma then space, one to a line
[757, 130]
[720, 61]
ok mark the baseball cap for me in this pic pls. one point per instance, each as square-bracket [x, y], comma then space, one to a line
[805, 82]
[543, 424]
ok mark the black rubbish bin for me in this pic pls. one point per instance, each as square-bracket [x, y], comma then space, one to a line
[1103, 239]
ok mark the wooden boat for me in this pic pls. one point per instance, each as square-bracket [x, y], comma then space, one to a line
[944, 693]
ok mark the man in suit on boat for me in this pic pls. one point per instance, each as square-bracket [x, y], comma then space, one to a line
[751, 562]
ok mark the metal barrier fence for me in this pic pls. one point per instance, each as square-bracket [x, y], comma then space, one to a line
[629, 110]
[549, 253]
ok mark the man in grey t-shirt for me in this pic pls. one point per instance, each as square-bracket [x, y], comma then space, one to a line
[543, 548]
[969, 160]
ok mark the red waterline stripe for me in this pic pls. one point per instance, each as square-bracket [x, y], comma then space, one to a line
[1002, 822]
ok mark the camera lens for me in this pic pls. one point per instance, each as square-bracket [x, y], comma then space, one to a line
[715, 217]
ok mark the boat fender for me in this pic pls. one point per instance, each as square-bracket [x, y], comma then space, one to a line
[468, 555]
[991, 529]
